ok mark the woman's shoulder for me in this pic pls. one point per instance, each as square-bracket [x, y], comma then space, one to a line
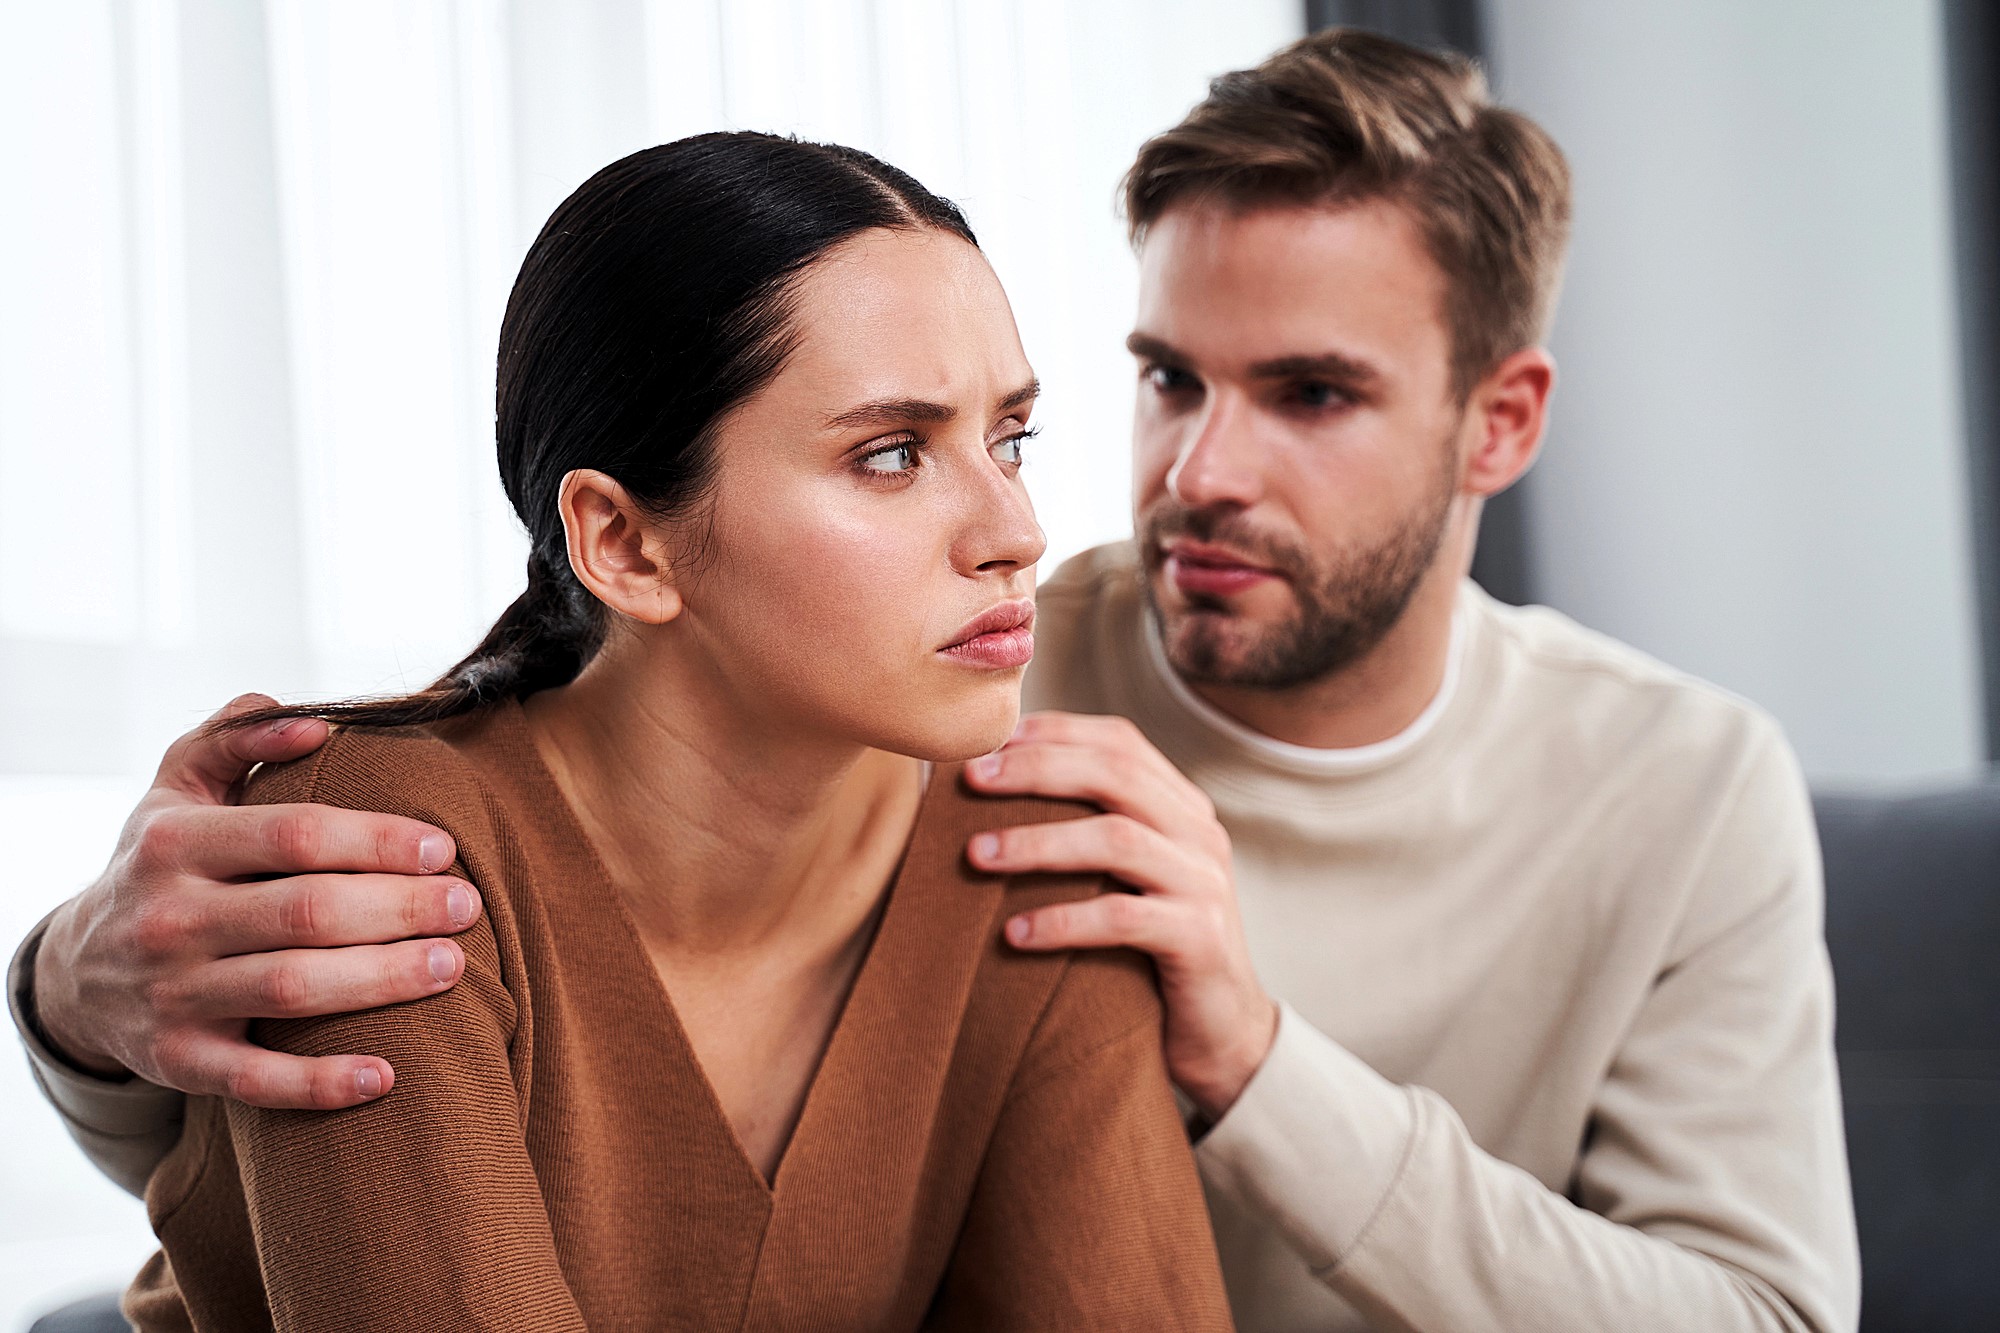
[1091, 999]
[955, 804]
[371, 768]
[437, 774]
[446, 775]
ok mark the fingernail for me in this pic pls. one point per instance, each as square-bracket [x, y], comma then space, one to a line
[458, 906]
[986, 766]
[368, 1082]
[1019, 929]
[443, 966]
[434, 852]
[986, 847]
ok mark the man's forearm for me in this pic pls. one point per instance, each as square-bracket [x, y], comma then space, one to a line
[1394, 1206]
[125, 1127]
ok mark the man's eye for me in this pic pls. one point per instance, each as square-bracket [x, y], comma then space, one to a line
[893, 459]
[1313, 393]
[1166, 379]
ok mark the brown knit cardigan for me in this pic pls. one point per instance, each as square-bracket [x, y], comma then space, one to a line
[990, 1141]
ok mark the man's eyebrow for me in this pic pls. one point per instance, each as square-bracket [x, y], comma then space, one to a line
[1335, 366]
[1153, 349]
[897, 411]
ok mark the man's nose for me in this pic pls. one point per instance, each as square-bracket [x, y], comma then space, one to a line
[1219, 463]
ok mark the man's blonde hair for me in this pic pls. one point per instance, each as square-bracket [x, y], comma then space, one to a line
[1342, 117]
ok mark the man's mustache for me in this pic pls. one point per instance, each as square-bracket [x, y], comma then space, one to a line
[1222, 528]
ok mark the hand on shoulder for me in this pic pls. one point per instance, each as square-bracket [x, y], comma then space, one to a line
[1159, 837]
[211, 914]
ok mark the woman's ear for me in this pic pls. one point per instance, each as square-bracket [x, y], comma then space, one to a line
[615, 550]
[1511, 405]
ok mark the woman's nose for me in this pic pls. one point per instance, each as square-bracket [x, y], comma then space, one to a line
[1003, 533]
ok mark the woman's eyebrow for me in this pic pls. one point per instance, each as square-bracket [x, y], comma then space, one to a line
[896, 411]
[1022, 396]
[891, 412]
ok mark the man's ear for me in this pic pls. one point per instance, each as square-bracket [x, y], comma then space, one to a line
[615, 550]
[1510, 408]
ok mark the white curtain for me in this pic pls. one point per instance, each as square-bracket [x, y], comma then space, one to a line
[252, 259]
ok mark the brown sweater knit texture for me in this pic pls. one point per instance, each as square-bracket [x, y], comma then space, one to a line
[990, 1141]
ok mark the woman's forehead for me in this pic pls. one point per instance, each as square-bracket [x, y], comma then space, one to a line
[902, 314]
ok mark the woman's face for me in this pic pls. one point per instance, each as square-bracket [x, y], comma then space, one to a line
[868, 520]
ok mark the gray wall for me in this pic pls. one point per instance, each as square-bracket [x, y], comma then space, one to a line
[1755, 468]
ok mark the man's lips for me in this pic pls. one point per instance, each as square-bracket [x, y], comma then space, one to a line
[1001, 636]
[1212, 571]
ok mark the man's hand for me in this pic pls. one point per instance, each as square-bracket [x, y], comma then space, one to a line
[1158, 836]
[159, 966]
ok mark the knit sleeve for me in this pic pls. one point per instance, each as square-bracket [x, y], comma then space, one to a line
[1711, 1192]
[421, 1208]
[1088, 1212]
[125, 1126]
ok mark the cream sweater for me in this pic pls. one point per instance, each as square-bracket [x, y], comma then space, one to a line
[1555, 1049]
[1556, 1042]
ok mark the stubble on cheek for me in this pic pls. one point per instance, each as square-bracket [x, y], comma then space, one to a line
[1322, 616]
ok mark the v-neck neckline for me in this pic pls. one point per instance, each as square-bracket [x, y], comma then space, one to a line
[836, 1062]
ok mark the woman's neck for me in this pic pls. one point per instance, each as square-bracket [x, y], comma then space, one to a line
[721, 832]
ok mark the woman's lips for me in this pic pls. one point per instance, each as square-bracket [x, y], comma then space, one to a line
[1001, 637]
[1212, 573]
[1002, 648]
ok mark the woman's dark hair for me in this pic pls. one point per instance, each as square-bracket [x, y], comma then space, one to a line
[655, 300]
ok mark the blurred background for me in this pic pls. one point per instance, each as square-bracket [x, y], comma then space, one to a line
[253, 255]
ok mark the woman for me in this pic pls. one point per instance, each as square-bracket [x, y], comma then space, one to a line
[737, 1045]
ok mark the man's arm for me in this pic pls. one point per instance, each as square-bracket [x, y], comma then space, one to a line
[1713, 1192]
[210, 915]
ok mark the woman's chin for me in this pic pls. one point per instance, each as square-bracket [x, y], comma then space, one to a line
[958, 735]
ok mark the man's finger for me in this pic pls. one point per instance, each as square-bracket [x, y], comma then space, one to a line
[1108, 921]
[231, 842]
[1114, 845]
[235, 1068]
[300, 983]
[206, 764]
[1128, 780]
[331, 911]
[1106, 732]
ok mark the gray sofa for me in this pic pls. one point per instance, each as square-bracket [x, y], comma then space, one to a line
[1913, 923]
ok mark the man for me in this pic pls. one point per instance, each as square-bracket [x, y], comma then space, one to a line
[1553, 1048]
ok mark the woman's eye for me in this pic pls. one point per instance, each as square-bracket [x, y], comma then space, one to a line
[1008, 451]
[896, 458]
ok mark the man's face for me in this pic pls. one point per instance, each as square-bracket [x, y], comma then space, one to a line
[1297, 441]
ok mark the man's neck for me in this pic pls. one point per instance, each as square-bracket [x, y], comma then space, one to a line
[1374, 698]
[721, 831]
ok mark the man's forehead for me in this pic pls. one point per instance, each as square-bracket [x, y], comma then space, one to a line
[1283, 244]
[1290, 280]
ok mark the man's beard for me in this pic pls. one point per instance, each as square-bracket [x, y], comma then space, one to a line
[1345, 605]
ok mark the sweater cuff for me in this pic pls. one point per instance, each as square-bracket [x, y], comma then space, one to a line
[90, 1104]
[1316, 1143]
